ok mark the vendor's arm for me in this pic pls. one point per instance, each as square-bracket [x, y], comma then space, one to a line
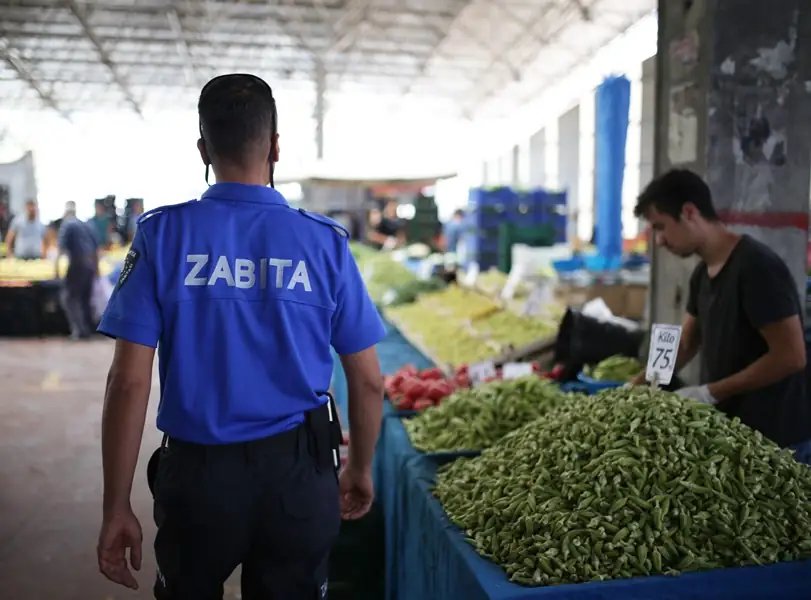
[133, 318]
[375, 236]
[770, 301]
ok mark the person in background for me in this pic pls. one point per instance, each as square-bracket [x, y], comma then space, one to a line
[454, 230]
[743, 312]
[137, 210]
[5, 220]
[102, 224]
[77, 241]
[26, 234]
[385, 229]
[244, 295]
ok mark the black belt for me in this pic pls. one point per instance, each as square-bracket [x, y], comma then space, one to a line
[322, 424]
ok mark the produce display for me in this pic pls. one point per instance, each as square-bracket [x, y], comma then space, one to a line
[476, 418]
[492, 281]
[508, 328]
[410, 389]
[13, 269]
[629, 482]
[410, 291]
[381, 272]
[615, 368]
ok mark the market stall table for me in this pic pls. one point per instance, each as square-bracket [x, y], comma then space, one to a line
[434, 561]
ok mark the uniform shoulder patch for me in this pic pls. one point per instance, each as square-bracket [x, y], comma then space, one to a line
[132, 258]
[340, 230]
[161, 209]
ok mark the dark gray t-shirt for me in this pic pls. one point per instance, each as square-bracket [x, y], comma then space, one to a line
[753, 289]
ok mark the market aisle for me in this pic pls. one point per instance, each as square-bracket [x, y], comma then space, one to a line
[51, 394]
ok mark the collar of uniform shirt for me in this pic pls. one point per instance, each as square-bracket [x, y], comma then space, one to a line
[241, 192]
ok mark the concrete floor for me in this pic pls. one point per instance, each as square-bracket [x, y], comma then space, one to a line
[51, 394]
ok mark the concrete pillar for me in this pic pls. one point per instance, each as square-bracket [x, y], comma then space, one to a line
[522, 164]
[320, 108]
[733, 106]
[569, 163]
[515, 163]
[537, 159]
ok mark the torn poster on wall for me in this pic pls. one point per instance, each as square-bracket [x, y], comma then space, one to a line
[682, 137]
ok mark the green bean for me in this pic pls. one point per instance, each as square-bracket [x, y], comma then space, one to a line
[625, 483]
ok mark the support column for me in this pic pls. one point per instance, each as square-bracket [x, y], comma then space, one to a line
[569, 166]
[537, 159]
[733, 106]
[320, 108]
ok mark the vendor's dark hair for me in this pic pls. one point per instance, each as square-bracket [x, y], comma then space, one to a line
[669, 192]
[237, 115]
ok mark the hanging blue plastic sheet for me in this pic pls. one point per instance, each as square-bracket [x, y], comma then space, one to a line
[611, 131]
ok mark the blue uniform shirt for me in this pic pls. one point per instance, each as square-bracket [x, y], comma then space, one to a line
[243, 297]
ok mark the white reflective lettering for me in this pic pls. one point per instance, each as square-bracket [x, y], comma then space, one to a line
[263, 273]
[222, 271]
[199, 261]
[244, 273]
[300, 276]
[280, 265]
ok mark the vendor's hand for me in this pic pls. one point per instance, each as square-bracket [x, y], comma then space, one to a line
[699, 393]
[357, 492]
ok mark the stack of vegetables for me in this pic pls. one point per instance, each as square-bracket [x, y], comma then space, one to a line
[626, 483]
[473, 419]
[616, 368]
[410, 389]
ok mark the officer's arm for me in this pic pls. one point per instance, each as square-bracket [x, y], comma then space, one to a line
[356, 328]
[133, 318]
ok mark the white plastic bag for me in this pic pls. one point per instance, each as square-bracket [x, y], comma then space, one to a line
[102, 290]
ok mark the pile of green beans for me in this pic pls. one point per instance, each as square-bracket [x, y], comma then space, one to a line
[615, 368]
[626, 483]
[476, 418]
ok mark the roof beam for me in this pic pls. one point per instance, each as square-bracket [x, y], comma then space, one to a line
[80, 16]
[9, 56]
[528, 32]
[189, 70]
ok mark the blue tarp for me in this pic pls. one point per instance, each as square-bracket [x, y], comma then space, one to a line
[611, 130]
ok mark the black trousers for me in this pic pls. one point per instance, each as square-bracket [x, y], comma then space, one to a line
[267, 505]
[77, 292]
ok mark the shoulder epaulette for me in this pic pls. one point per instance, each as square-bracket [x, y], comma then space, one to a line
[161, 209]
[339, 229]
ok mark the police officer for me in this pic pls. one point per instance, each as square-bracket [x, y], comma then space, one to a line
[244, 296]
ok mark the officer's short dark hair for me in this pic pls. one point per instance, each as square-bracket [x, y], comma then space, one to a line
[237, 117]
[669, 193]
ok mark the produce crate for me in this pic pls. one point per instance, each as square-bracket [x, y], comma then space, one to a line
[592, 386]
[497, 199]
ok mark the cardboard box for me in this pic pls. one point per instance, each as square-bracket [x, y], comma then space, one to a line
[636, 301]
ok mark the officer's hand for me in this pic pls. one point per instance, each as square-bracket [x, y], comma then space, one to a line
[119, 533]
[357, 492]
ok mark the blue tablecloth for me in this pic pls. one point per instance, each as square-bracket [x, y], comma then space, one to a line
[434, 561]
[393, 351]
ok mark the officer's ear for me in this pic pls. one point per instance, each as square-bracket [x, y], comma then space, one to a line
[201, 147]
[274, 150]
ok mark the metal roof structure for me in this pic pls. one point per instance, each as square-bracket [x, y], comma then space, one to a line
[482, 57]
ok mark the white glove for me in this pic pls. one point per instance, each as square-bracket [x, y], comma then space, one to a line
[699, 393]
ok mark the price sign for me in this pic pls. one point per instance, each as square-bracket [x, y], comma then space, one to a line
[513, 280]
[472, 274]
[426, 270]
[540, 297]
[480, 372]
[516, 370]
[664, 348]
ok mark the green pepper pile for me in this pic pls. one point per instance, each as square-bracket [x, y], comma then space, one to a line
[626, 483]
[476, 418]
[616, 368]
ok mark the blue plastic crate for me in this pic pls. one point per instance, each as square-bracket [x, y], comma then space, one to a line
[492, 197]
[559, 223]
[569, 265]
[597, 263]
[557, 199]
[593, 386]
